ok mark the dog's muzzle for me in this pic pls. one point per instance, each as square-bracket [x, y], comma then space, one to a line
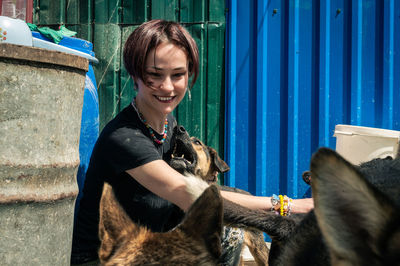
[182, 157]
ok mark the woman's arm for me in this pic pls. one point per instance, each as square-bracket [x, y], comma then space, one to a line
[158, 177]
[264, 203]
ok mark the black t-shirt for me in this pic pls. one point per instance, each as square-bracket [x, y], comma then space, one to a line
[124, 143]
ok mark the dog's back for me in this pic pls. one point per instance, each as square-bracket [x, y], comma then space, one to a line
[196, 241]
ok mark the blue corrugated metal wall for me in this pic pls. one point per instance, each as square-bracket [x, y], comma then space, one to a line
[295, 69]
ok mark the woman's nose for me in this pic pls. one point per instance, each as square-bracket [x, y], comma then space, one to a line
[167, 84]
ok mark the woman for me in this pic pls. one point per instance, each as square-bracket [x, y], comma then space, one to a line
[160, 56]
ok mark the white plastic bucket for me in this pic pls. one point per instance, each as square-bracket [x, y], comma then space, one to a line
[361, 144]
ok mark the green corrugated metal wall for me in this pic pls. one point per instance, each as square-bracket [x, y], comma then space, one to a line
[108, 23]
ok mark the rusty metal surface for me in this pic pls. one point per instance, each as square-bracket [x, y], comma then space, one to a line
[27, 184]
[36, 55]
[41, 98]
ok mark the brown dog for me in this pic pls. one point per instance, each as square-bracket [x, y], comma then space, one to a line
[196, 241]
[190, 156]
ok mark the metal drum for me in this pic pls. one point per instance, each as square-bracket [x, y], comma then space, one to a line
[41, 97]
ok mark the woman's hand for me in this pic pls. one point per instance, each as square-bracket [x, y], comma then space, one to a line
[302, 205]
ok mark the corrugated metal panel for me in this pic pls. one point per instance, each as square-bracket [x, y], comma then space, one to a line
[126, 90]
[49, 12]
[295, 69]
[79, 11]
[216, 11]
[201, 111]
[193, 11]
[168, 10]
[72, 11]
[107, 43]
[84, 31]
[77, 15]
[215, 97]
[135, 12]
[108, 11]
[191, 111]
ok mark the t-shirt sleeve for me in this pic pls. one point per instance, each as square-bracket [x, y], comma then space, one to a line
[128, 148]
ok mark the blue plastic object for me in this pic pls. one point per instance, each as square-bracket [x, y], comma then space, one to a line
[89, 128]
[74, 43]
[90, 110]
[66, 46]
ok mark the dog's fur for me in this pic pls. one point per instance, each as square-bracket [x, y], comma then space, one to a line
[356, 220]
[360, 224]
[191, 156]
[196, 241]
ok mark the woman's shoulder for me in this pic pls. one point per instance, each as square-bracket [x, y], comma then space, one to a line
[126, 125]
[125, 141]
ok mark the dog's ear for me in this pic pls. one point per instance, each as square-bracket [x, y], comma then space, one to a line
[220, 164]
[204, 220]
[353, 215]
[115, 226]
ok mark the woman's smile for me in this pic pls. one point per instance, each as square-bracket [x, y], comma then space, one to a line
[164, 99]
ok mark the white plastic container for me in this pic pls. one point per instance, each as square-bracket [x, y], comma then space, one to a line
[361, 144]
[14, 31]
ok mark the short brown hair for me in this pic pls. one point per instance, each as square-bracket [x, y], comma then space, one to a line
[148, 36]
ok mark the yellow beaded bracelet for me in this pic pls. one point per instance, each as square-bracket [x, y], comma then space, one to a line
[285, 205]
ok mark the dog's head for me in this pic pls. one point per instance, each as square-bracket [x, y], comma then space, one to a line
[191, 156]
[195, 241]
[360, 223]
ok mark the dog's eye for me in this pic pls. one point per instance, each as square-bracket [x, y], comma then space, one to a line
[197, 142]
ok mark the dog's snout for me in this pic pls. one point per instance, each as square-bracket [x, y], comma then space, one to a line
[181, 130]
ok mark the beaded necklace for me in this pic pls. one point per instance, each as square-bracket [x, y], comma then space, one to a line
[155, 139]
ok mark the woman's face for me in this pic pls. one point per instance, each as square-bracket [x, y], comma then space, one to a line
[167, 74]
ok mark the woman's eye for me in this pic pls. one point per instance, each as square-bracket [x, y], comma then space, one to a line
[154, 74]
[177, 75]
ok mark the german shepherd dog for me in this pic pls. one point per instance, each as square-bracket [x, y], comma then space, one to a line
[191, 156]
[359, 222]
[356, 220]
[195, 241]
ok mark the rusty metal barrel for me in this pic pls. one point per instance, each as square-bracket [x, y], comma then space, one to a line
[41, 97]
